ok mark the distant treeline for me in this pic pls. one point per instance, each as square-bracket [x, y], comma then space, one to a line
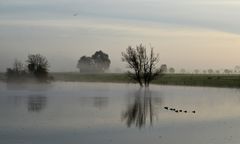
[143, 68]
[35, 68]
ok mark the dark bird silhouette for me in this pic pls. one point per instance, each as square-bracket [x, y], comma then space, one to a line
[75, 14]
[166, 108]
[185, 111]
[180, 110]
[193, 111]
[176, 111]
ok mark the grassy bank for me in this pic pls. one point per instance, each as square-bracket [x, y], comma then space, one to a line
[200, 80]
[168, 79]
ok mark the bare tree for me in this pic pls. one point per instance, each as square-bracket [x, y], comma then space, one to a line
[16, 72]
[144, 66]
[18, 66]
[38, 65]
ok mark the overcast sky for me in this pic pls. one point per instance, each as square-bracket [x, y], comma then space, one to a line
[191, 34]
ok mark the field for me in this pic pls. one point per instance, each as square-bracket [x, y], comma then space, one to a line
[200, 80]
[167, 79]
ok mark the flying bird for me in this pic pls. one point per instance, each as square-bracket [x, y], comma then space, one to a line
[75, 14]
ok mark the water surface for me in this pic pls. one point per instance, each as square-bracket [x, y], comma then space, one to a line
[94, 113]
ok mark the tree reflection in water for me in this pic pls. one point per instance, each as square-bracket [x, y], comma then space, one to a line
[142, 109]
[36, 103]
[100, 102]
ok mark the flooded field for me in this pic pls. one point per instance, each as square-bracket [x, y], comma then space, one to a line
[102, 113]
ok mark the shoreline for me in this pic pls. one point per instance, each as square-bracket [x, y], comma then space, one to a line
[203, 80]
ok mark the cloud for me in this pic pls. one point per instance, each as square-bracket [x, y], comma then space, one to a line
[220, 2]
[221, 15]
[129, 27]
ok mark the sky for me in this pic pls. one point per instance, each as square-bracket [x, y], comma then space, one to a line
[190, 34]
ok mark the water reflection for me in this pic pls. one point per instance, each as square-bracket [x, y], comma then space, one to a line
[69, 113]
[100, 102]
[36, 103]
[142, 109]
[28, 86]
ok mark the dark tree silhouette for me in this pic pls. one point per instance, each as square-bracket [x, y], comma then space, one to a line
[164, 68]
[144, 67]
[102, 61]
[98, 63]
[171, 70]
[86, 64]
[38, 66]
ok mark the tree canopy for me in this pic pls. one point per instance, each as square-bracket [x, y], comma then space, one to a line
[171, 70]
[99, 62]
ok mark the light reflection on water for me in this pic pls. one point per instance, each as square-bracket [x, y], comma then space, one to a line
[117, 113]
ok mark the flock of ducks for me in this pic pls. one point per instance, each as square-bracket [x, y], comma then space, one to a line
[178, 111]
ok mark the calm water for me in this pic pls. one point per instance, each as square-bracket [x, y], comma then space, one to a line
[100, 113]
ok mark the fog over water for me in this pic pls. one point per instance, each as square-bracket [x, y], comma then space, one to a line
[187, 34]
